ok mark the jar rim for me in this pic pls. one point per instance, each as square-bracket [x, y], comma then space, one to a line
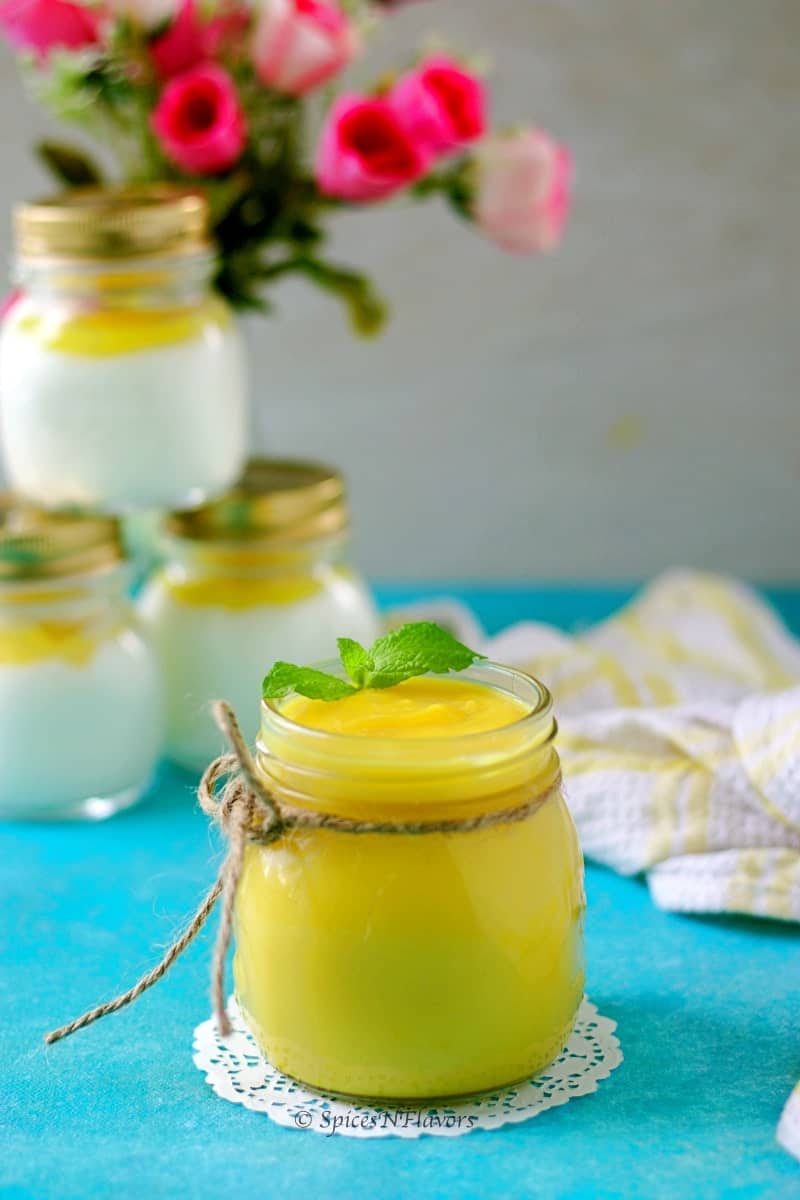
[538, 719]
[454, 775]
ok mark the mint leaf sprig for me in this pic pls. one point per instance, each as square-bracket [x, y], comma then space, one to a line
[419, 648]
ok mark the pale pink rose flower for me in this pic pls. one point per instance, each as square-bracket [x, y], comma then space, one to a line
[299, 44]
[522, 194]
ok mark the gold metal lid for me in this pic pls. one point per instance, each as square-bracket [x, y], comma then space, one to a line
[276, 501]
[93, 224]
[35, 544]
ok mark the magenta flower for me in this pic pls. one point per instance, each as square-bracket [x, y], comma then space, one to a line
[199, 121]
[194, 37]
[440, 105]
[364, 152]
[39, 26]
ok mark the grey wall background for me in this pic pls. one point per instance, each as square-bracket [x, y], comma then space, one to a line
[627, 404]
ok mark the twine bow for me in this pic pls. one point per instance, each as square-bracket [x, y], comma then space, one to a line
[247, 812]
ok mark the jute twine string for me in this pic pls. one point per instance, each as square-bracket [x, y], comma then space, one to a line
[232, 794]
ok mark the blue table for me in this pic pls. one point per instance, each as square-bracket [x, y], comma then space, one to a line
[707, 1012]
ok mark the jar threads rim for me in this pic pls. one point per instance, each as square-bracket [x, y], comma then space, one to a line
[430, 778]
[277, 501]
[39, 544]
[96, 224]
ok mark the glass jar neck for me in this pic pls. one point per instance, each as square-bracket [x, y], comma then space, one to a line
[119, 283]
[187, 559]
[86, 598]
[421, 778]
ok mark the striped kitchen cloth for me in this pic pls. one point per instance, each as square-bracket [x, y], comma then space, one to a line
[679, 733]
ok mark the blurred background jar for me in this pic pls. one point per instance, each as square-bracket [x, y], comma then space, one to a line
[122, 373]
[259, 574]
[80, 694]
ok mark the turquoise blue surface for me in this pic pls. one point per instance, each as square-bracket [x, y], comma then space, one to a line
[707, 1012]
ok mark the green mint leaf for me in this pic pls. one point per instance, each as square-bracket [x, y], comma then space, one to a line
[419, 648]
[315, 685]
[68, 164]
[357, 661]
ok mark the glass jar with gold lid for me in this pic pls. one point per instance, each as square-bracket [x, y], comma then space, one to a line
[259, 574]
[122, 374]
[80, 696]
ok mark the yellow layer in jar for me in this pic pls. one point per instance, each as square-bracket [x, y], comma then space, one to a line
[402, 966]
[428, 706]
[237, 577]
[102, 332]
[241, 592]
[74, 642]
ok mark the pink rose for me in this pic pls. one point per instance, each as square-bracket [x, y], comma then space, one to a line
[364, 152]
[199, 122]
[193, 37]
[299, 44]
[522, 196]
[44, 25]
[441, 106]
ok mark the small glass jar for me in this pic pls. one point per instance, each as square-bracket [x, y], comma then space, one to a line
[80, 698]
[414, 966]
[122, 374]
[259, 574]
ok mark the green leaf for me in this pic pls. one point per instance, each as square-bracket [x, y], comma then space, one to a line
[365, 307]
[69, 165]
[304, 233]
[418, 648]
[316, 685]
[357, 661]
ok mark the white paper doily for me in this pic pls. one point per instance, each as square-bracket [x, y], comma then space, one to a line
[237, 1071]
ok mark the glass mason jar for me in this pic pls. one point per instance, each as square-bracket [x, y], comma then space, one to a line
[80, 702]
[259, 574]
[122, 374]
[414, 966]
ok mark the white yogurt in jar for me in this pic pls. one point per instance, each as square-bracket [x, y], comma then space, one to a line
[215, 649]
[87, 421]
[81, 713]
[122, 372]
[256, 575]
[79, 738]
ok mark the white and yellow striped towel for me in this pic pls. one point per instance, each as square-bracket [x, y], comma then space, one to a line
[679, 732]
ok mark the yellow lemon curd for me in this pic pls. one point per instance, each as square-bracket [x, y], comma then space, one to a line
[405, 966]
[237, 579]
[28, 639]
[71, 641]
[99, 332]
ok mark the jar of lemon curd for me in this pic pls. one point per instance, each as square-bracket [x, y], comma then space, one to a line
[122, 374]
[80, 693]
[261, 572]
[414, 965]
